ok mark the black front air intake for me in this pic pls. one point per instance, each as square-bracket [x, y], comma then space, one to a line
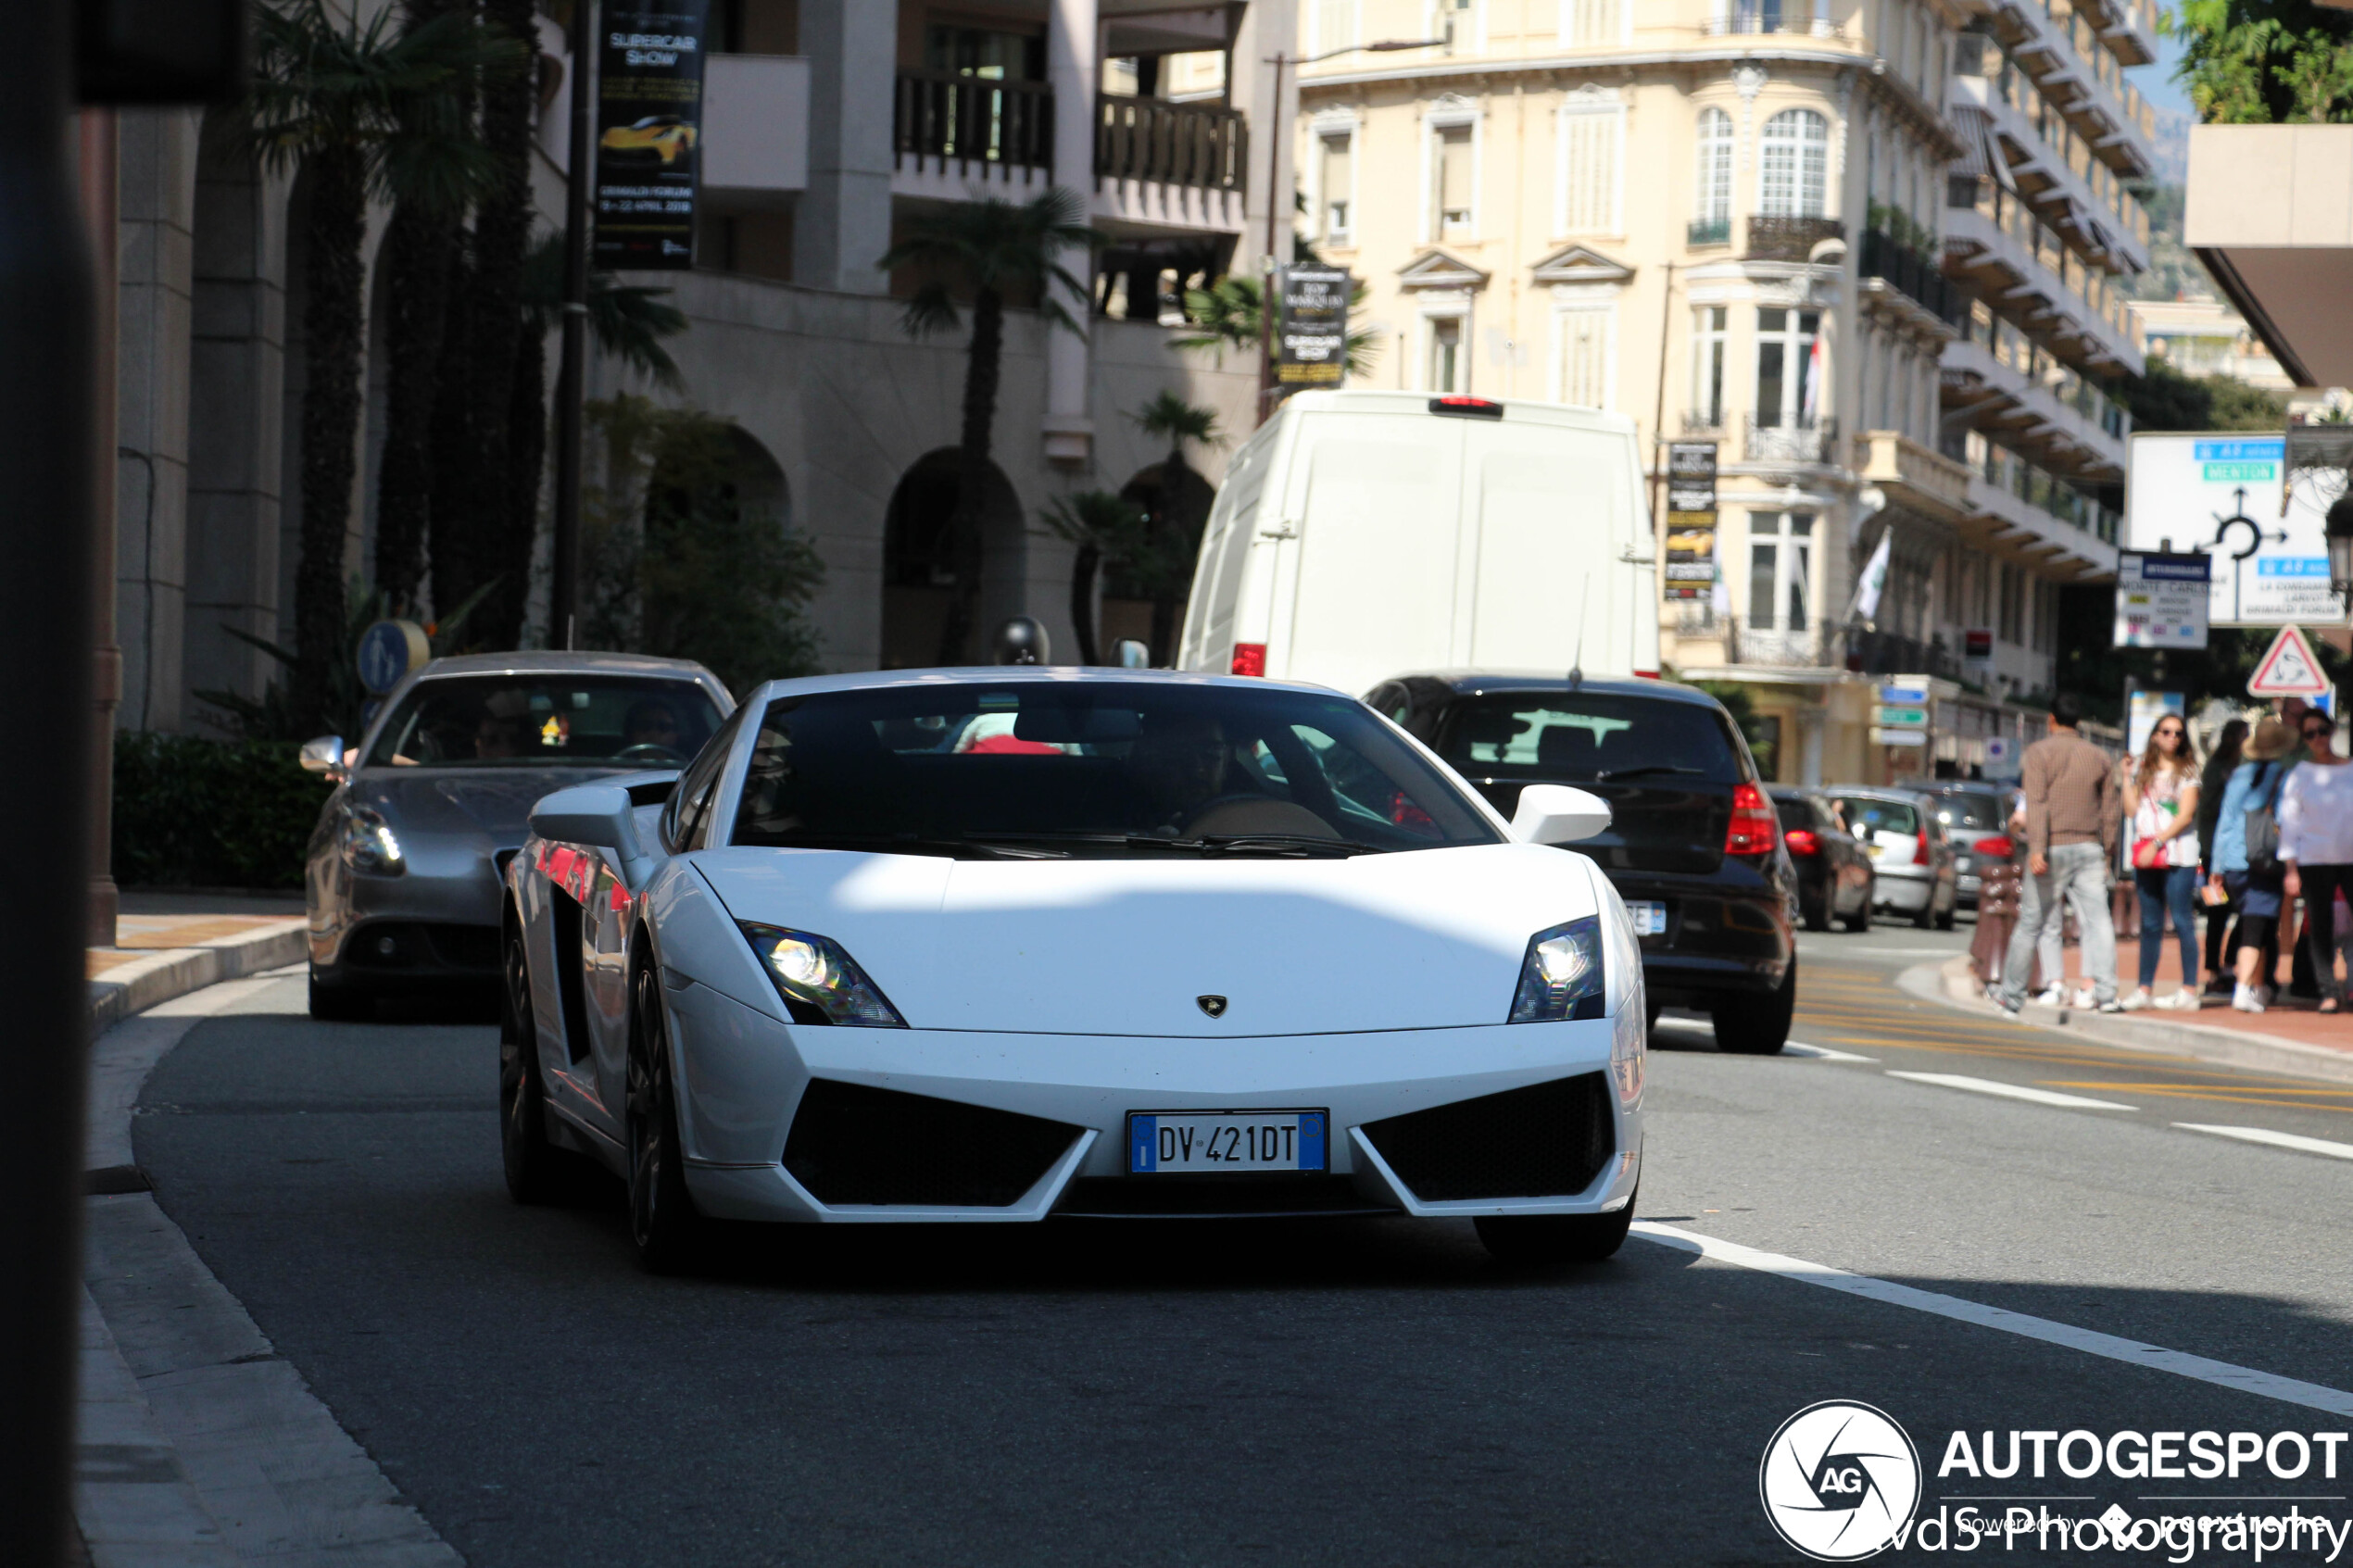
[1548, 1140]
[851, 1144]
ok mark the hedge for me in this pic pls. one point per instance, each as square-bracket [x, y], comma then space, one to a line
[190, 812]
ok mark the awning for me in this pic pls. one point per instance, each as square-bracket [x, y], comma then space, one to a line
[1970, 128]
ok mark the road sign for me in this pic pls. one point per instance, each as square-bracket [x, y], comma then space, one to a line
[1899, 737]
[388, 650]
[1904, 718]
[2220, 494]
[2289, 668]
[1904, 697]
[1312, 327]
[2162, 600]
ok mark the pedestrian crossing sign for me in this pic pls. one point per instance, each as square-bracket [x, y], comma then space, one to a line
[2289, 668]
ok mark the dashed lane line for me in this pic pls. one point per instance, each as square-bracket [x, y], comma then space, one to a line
[1823, 1053]
[2278, 1140]
[2133, 1352]
[2010, 1091]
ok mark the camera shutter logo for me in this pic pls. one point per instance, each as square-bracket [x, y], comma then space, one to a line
[1839, 1481]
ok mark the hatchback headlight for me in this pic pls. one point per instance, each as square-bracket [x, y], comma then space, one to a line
[1561, 977]
[820, 982]
[367, 843]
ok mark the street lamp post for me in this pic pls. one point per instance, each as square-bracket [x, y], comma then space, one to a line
[1275, 204]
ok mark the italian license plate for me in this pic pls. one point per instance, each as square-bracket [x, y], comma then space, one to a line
[1650, 919]
[1197, 1142]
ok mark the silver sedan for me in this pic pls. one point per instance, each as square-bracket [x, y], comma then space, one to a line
[401, 883]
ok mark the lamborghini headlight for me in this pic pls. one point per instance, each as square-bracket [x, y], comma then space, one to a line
[1561, 977]
[820, 982]
[367, 843]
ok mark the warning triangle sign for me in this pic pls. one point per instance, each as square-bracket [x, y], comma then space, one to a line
[2288, 667]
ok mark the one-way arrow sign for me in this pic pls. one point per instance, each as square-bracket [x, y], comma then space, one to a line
[2288, 667]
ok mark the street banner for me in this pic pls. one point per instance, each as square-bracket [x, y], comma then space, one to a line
[1311, 328]
[648, 133]
[2161, 600]
[2227, 496]
[2142, 710]
[1691, 476]
[2288, 667]
[1690, 554]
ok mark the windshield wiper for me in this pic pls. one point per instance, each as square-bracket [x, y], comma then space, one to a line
[1609, 773]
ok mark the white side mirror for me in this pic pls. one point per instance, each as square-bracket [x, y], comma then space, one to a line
[1557, 814]
[598, 815]
[323, 755]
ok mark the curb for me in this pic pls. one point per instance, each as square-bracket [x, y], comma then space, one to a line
[175, 971]
[1953, 984]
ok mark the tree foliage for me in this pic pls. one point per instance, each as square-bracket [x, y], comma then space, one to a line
[1108, 534]
[1226, 313]
[2265, 62]
[2163, 398]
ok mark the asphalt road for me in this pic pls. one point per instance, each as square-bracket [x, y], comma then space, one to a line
[1357, 1392]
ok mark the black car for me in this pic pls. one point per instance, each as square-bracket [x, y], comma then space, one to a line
[1693, 847]
[1834, 878]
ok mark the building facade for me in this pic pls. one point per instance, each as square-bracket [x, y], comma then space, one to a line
[827, 124]
[1867, 248]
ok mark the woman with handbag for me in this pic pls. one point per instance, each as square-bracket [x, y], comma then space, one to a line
[2316, 847]
[2161, 800]
[2246, 858]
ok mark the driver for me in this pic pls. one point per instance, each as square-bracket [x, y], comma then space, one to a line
[650, 721]
[1177, 765]
[498, 738]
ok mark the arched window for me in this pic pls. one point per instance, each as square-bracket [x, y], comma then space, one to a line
[1795, 165]
[1714, 186]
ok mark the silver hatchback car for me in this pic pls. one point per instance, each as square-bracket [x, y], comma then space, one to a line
[402, 879]
[1912, 857]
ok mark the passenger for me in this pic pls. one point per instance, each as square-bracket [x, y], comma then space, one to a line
[1177, 765]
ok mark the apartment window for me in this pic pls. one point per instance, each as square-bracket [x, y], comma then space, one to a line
[1336, 178]
[1714, 185]
[1455, 174]
[1446, 369]
[1592, 152]
[1590, 21]
[1787, 369]
[1588, 341]
[1708, 364]
[1795, 165]
[1336, 23]
[1780, 558]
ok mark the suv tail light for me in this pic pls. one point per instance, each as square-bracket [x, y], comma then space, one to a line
[1754, 827]
[1920, 856]
[1999, 848]
[1249, 659]
[1801, 841]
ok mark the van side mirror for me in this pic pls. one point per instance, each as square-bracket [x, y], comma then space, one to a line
[598, 815]
[1557, 814]
[324, 756]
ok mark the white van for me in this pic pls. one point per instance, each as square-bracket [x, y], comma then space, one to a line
[1362, 534]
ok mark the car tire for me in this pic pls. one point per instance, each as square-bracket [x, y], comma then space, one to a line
[663, 1224]
[340, 1003]
[1750, 1025]
[536, 1170]
[1538, 1241]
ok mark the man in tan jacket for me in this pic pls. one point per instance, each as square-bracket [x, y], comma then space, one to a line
[2073, 814]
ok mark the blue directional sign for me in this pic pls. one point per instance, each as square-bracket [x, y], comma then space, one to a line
[388, 651]
[1903, 697]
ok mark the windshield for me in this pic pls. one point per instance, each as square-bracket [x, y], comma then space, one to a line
[545, 722]
[1094, 768]
[1982, 812]
[1577, 735]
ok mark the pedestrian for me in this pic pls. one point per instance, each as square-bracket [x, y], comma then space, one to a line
[2162, 797]
[2246, 857]
[2050, 953]
[2212, 780]
[2316, 846]
[2072, 820]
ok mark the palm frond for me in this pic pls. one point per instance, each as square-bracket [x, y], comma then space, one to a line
[628, 321]
[929, 311]
[1169, 418]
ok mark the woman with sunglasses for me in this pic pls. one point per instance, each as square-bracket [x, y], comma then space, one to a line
[2161, 800]
[2316, 844]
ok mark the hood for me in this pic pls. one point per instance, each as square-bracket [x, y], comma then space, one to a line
[1424, 939]
[494, 802]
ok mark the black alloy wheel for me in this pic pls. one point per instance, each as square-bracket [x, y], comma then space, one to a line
[1752, 1025]
[1538, 1241]
[663, 1222]
[537, 1172]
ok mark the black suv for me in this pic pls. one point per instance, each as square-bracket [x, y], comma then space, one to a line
[1694, 847]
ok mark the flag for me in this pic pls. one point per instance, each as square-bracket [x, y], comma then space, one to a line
[1874, 578]
[1813, 384]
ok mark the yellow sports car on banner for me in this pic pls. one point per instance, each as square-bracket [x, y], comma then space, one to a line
[662, 136]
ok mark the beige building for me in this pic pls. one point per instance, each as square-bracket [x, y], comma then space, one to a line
[1865, 247]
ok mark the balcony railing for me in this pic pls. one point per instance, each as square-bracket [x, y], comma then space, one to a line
[1173, 144]
[1710, 232]
[1769, 16]
[1790, 239]
[946, 117]
[1816, 443]
[1911, 274]
[1704, 421]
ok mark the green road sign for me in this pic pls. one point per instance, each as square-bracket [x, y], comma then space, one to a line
[1904, 718]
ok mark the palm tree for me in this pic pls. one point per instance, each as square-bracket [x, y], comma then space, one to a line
[1169, 418]
[1109, 532]
[1227, 315]
[345, 102]
[990, 249]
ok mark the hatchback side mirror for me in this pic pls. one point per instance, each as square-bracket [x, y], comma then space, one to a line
[323, 756]
[598, 815]
[1557, 814]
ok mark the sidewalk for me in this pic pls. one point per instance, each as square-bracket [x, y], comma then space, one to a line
[167, 943]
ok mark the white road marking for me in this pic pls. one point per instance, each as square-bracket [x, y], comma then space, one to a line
[1796, 1047]
[2133, 1352]
[2012, 1091]
[2280, 1140]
